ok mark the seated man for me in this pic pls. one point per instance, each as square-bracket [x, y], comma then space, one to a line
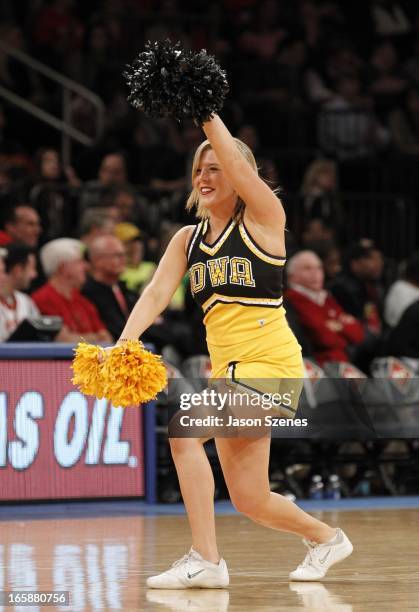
[65, 268]
[359, 288]
[103, 287]
[21, 225]
[331, 331]
[115, 301]
[19, 265]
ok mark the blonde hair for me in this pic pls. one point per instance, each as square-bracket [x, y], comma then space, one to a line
[193, 199]
[317, 167]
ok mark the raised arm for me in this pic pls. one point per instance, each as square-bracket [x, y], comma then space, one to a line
[158, 293]
[262, 205]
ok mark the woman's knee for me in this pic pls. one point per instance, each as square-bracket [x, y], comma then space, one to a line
[180, 446]
[247, 503]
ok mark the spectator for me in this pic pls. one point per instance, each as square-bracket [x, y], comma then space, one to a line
[358, 288]
[95, 222]
[48, 167]
[51, 193]
[330, 256]
[113, 170]
[320, 21]
[403, 339]
[320, 81]
[138, 272]
[168, 170]
[317, 231]
[21, 224]
[114, 300]
[65, 268]
[58, 34]
[129, 206]
[264, 33]
[404, 123]
[387, 80]
[402, 293]
[5, 239]
[320, 193]
[112, 173]
[347, 127]
[332, 332]
[146, 150]
[19, 264]
[83, 115]
[389, 18]
[98, 57]
[103, 287]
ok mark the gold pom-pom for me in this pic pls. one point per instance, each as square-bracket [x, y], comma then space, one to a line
[129, 374]
[87, 369]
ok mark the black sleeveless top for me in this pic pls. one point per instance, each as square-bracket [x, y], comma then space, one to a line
[234, 269]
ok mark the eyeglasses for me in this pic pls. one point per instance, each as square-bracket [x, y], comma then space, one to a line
[119, 255]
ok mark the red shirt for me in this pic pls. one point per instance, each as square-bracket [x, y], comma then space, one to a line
[329, 328]
[4, 238]
[78, 313]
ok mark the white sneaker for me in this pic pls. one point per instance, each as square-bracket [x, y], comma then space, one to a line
[322, 556]
[192, 572]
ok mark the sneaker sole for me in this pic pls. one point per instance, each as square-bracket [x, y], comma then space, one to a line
[222, 584]
[348, 553]
[185, 587]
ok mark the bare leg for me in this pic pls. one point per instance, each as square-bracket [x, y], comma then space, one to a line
[245, 465]
[197, 487]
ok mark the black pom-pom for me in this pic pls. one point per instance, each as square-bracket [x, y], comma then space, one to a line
[168, 81]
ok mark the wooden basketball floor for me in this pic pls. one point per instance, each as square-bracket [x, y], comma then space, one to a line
[103, 562]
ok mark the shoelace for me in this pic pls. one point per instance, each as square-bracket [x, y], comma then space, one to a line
[184, 559]
[308, 558]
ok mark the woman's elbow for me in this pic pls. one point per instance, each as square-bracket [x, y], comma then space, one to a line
[157, 295]
[152, 291]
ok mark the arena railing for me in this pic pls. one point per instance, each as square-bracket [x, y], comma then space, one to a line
[68, 87]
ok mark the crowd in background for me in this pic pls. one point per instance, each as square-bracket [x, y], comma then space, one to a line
[326, 93]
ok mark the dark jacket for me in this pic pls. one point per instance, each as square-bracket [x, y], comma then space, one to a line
[109, 309]
[403, 339]
[357, 297]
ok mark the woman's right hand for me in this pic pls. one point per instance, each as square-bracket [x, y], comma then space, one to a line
[105, 352]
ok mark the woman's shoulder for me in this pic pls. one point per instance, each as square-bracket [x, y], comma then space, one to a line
[188, 230]
[184, 235]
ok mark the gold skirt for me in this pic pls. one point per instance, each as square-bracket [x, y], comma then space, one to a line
[271, 367]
